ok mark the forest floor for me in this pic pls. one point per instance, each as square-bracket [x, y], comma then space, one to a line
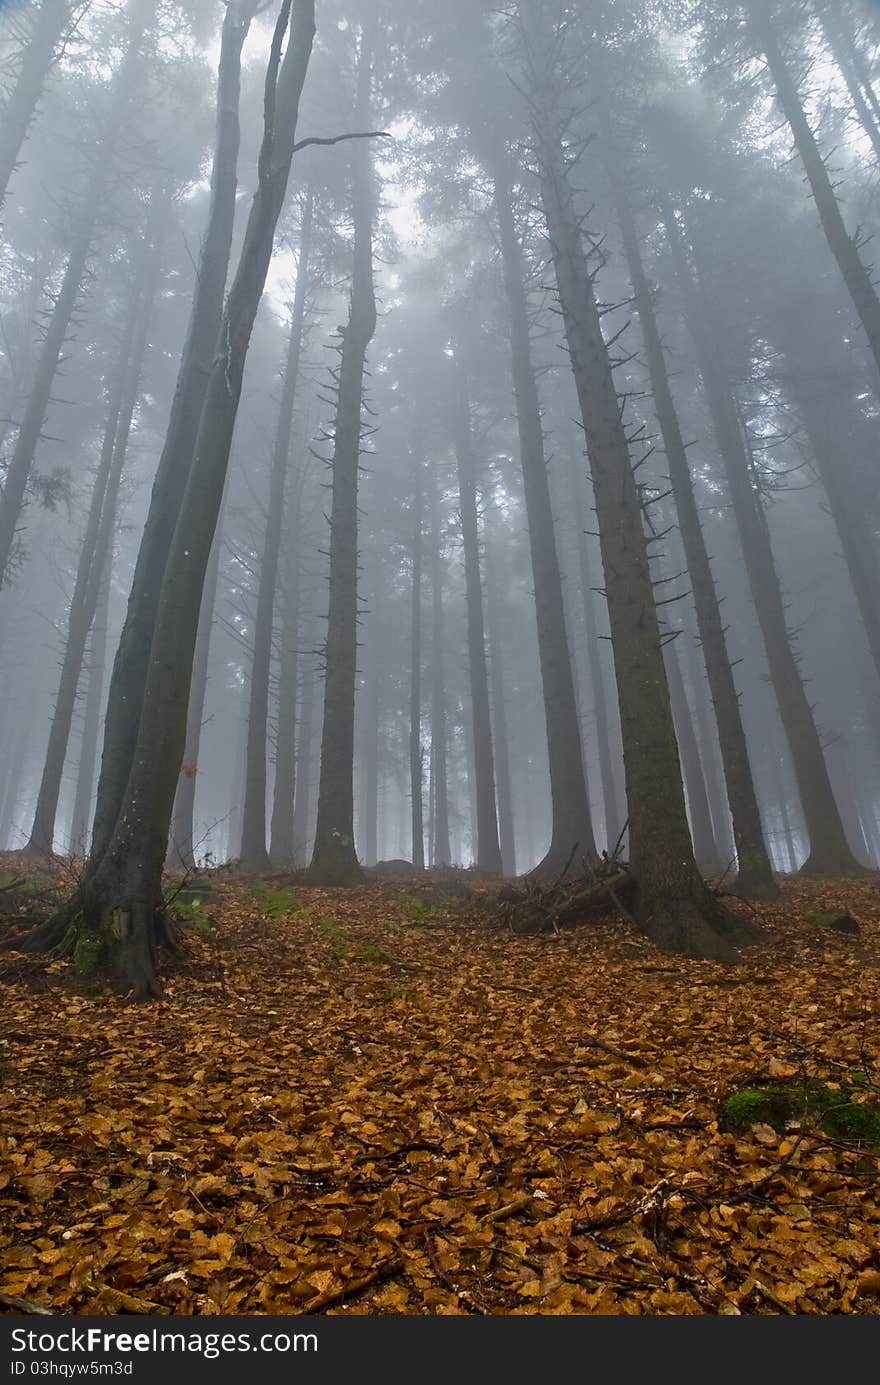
[379, 1101]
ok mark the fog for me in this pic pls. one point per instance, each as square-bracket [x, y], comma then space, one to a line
[550, 509]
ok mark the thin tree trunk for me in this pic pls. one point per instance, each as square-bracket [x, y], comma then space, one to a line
[13, 777]
[254, 856]
[487, 851]
[100, 527]
[127, 885]
[572, 836]
[21, 462]
[334, 861]
[578, 480]
[415, 694]
[302, 801]
[281, 834]
[46, 35]
[182, 841]
[88, 753]
[755, 870]
[848, 67]
[699, 815]
[441, 851]
[130, 665]
[829, 851]
[497, 642]
[672, 902]
[843, 246]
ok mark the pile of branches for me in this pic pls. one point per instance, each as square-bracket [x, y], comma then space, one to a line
[532, 906]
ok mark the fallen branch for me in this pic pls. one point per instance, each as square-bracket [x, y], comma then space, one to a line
[387, 1270]
[509, 1209]
[24, 1305]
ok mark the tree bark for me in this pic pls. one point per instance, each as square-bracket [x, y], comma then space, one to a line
[334, 860]
[254, 855]
[488, 850]
[829, 851]
[755, 873]
[572, 839]
[130, 665]
[672, 903]
[46, 35]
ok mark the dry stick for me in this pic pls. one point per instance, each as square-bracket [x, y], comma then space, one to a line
[387, 1270]
[25, 1306]
[630, 1058]
[509, 1209]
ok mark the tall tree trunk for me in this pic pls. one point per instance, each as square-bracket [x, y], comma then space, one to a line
[127, 884]
[497, 642]
[672, 902]
[21, 462]
[441, 851]
[281, 834]
[572, 836]
[47, 32]
[487, 848]
[843, 246]
[96, 662]
[254, 856]
[852, 71]
[182, 844]
[302, 801]
[334, 861]
[415, 691]
[12, 783]
[755, 878]
[825, 425]
[129, 674]
[578, 481]
[699, 814]
[829, 851]
[97, 541]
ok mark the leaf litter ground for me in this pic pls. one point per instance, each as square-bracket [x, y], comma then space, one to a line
[360, 1102]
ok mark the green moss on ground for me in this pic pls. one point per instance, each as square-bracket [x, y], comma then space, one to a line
[840, 1110]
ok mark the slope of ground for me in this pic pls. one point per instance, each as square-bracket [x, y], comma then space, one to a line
[366, 1102]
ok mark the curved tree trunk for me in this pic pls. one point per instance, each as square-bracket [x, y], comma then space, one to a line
[123, 897]
[672, 902]
[254, 855]
[129, 674]
[334, 861]
[52, 19]
[829, 851]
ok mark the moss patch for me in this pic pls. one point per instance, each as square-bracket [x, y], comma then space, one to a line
[841, 1110]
